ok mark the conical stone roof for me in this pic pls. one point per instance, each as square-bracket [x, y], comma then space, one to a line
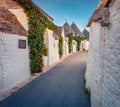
[75, 29]
[67, 29]
[85, 34]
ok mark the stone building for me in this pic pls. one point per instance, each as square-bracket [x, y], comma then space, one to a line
[76, 31]
[51, 40]
[85, 34]
[14, 51]
[66, 30]
[84, 45]
[103, 68]
[74, 46]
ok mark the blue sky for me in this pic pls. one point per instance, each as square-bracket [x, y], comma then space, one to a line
[77, 11]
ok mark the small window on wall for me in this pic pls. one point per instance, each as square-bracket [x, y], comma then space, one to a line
[21, 44]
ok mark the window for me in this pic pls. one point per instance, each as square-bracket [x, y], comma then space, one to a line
[21, 44]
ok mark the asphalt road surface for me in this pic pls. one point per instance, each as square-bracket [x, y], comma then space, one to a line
[61, 86]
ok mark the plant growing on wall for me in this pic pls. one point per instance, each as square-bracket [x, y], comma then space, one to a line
[87, 91]
[78, 39]
[70, 39]
[60, 46]
[38, 22]
[45, 51]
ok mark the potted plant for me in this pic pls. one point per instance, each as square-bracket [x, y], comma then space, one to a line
[45, 55]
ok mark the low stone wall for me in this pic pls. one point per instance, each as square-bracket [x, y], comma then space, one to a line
[14, 62]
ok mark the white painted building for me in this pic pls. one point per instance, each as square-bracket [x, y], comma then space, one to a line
[85, 45]
[52, 45]
[65, 46]
[14, 50]
[74, 46]
[14, 61]
[66, 52]
[66, 30]
[103, 68]
[94, 70]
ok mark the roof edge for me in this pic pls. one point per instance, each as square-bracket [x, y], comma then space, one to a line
[101, 14]
[42, 10]
[107, 3]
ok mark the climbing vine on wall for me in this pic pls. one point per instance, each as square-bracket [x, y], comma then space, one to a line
[60, 46]
[38, 22]
[70, 39]
[78, 40]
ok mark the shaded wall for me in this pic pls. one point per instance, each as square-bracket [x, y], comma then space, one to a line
[14, 62]
[53, 47]
[103, 67]
[94, 70]
[111, 86]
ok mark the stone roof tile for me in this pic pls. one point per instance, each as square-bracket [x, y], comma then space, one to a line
[9, 4]
[67, 29]
[10, 24]
[101, 15]
[75, 29]
[57, 32]
[85, 34]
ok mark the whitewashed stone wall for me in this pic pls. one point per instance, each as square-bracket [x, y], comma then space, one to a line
[65, 43]
[65, 46]
[81, 46]
[86, 45]
[103, 68]
[0, 71]
[94, 70]
[53, 47]
[14, 62]
[111, 86]
[74, 46]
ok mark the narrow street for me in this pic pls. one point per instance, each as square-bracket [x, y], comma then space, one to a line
[61, 86]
